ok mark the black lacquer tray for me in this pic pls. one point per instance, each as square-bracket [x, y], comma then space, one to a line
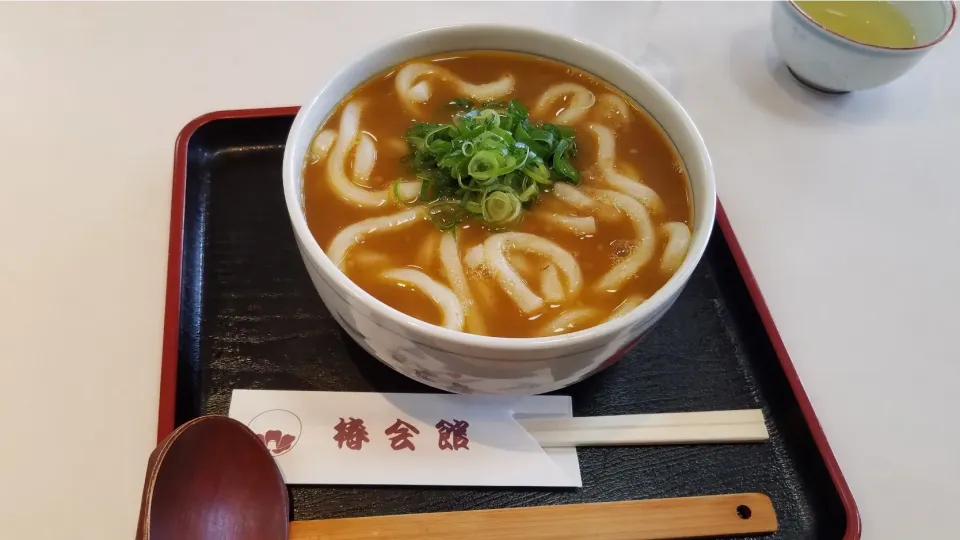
[241, 312]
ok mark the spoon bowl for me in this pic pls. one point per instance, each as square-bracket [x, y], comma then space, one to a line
[213, 479]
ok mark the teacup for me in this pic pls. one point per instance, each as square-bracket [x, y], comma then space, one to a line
[828, 61]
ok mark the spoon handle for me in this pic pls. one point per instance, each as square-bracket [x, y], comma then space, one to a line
[655, 519]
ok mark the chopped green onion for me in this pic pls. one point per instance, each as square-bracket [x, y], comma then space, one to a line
[444, 214]
[397, 196]
[529, 193]
[560, 162]
[490, 162]
[484, 164]
[500, 207]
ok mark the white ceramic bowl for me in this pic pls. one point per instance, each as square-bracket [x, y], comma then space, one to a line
[466, 363]
[830, 62]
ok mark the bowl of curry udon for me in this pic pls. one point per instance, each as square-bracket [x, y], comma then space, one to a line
[497, 210]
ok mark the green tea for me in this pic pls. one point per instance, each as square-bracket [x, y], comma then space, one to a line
[870, 22]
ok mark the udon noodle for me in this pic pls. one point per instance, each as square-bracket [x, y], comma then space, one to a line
[581, 245]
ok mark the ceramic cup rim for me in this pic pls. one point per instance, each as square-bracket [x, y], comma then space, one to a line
[703, 224]
[926, 45]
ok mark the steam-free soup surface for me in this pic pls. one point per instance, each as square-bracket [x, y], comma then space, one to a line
[642, 154]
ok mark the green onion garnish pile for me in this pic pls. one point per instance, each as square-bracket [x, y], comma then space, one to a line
[489, 162]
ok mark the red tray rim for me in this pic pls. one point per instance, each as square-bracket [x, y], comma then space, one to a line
[171, 320]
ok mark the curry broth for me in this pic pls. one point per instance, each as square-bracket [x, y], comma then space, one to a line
[641, 146]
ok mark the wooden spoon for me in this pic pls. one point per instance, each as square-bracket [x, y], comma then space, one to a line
[213, 479]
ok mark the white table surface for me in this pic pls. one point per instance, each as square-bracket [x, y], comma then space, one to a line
[846, 209]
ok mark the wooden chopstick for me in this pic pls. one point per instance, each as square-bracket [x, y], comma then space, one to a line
[656, 519]
[646, 429]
